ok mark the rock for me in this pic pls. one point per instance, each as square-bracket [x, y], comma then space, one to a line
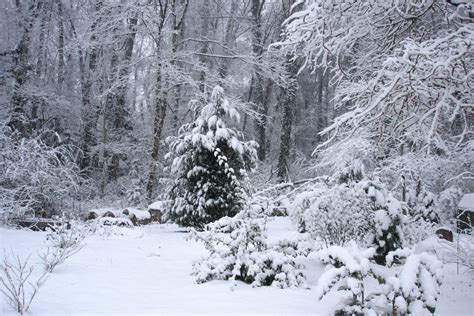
[155, 215]
[111, 221]
[126, 212]
[41, 224]
[279, 211]
[92, 215]
[133, 218]
[108, 214]
[445, 233]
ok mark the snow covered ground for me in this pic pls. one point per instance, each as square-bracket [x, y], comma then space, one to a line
[146, 271]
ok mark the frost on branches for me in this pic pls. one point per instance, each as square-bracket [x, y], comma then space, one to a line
[409, 285]
[239, 251]
[210, 163]
[35, 178]
[405, 86]
[352, 206]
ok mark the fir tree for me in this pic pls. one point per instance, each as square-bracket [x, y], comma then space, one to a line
[210, 163]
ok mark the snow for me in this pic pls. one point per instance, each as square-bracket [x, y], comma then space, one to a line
[158, 205]
[140, 214]
[147, 271]
[467, 202]
[103, 210]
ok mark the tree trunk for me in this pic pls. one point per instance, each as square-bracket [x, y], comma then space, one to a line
[258, 98]
[91, 110]
[19, 121]
[289, 103]
[121, 116]
[229, 38]
[60, 45]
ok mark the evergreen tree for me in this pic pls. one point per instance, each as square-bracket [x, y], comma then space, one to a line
[210, 163]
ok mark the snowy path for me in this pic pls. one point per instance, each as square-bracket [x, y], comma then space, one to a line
[147, 272]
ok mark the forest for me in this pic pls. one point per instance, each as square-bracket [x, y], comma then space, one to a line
[322, 150]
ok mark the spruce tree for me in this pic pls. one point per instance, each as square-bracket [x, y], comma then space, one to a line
[210, 162]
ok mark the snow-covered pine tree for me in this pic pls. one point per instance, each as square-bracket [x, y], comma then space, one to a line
[210, 162]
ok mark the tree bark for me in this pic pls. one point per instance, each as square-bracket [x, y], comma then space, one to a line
[19, 121]
[91, 110]
[258, 98]
[60, 45]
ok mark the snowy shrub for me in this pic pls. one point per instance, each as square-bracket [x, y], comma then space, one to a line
[302, 203]
[61, 236]
[409, 284]
[424, 207]
[210, 163]
[64, 242]
[294, 248]
[34, 177]
[338, 215]
[348, 268]
[239, 251]
[16, 283]
[351, 207]
[388, 223]
[415, 287]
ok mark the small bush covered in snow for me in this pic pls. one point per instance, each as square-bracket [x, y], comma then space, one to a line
[238, 250]
[409, 284]
[210, 163]
[351, 206]
[415, 287]
[348, 269]
[34, 176]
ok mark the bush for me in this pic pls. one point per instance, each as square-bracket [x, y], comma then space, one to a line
[34, 177]
[337, 215]
[238, 250]
[64, 242]
[16, 285]
[351, 206]
[409, 284]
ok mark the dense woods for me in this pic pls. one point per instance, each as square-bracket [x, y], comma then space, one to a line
[350, 122]
[92, 89]
[106, 82]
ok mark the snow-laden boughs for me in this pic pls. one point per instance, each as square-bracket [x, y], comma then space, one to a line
[337, 215]
[409, 284]
[210, 162]
[326, 33]
[35, 177]
[404, 86]
[416, 285]
[421, 96]
[239, 251]
[407, 81]
[347, 269]
[351, 206]
[388, 223]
